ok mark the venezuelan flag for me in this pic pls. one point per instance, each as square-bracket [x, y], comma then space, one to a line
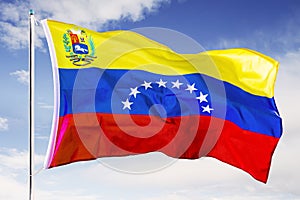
[119, 93]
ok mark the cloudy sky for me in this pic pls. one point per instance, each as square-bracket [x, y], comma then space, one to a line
[268, 26]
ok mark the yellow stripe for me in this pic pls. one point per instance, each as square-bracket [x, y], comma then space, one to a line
[246, 69]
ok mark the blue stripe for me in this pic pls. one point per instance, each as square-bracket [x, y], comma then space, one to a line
[103, 91]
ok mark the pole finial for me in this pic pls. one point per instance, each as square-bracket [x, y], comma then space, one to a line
[31, 12]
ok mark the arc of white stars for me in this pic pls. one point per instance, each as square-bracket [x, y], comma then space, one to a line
[161, 83]
[202, 97]
[207, 109]
[127, 104]
[134, 91]
[191, 88]
[176, 84]
[146, 85]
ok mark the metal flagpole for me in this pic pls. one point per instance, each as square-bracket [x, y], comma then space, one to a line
[31, 102]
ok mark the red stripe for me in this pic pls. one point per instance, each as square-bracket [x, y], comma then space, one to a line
[89, 136]
[251, 152]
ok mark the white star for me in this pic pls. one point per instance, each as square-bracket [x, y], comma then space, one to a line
[127, 104]
[191, 88]
[146, 85]
[207, 109]
[202, 97]
[176, 84]
[134, 92]
[161, 83]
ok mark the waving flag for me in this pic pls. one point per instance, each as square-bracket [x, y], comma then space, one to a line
[119, 93]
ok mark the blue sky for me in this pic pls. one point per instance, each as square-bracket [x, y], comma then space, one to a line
[268, 26]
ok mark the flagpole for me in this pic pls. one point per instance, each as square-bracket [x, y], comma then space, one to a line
[31, 103]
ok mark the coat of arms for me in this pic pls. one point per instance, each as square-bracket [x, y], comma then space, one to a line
[79, 47]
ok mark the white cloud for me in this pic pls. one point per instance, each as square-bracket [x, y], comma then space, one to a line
[14, 177]
[3, 124]
[172, 196]
[226, 43]
[13, 36]
[66, 195]
[290, 62]
[45, 105]
[287, 90]
[226, 191]
[11, 188]
[94, 14]
[41, 137]
[191, 180]
[22, 76]
[278, 41]
[16, 159]
[13, 26]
